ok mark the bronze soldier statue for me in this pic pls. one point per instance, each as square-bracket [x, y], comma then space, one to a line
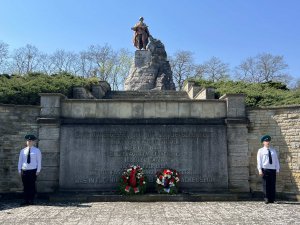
[141, 34]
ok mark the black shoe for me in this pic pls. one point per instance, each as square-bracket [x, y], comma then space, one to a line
[24, 203]
[31, 203]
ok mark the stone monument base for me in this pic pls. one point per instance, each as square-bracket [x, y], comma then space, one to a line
[150, 70]
[96, 139]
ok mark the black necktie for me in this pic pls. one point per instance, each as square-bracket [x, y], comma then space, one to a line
[28, 156]
[270, 156]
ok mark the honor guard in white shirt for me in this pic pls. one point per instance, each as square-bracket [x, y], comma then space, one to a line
[29, 167]
[268, 166]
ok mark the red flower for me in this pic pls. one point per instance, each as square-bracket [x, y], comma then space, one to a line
[127, 188]
[136, 190]
[132, 178]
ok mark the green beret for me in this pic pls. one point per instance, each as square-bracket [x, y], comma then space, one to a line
[30, 137]
[265, 138]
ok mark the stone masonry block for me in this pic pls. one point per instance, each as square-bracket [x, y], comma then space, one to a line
[49, 174]
[101, 110]
[220, 110]
[149, 110]
[237, 161]
[125, 110]
[66, 109]
[235, 104]
[172, 109]
[137, 110]
[47, 186]
[114, 109]
[78, 110]
[89, 110]
[49, 132]
[50, 159]
[50, 112]
[161, 110]
[196, 109]
[98, 92]
[239, 185]
[184, 109]
[208, 110]
[51, 100]
[47, 145]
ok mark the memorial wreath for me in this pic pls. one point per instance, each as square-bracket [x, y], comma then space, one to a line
[133, 181]
[167, 181]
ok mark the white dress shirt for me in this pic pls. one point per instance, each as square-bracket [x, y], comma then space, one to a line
[263, 159]
[35, 159]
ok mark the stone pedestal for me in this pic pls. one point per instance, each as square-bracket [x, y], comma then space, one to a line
[142, 58]
[49, 136]
[238, 154]
[150, 69]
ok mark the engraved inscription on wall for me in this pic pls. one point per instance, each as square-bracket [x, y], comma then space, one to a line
[94, 156]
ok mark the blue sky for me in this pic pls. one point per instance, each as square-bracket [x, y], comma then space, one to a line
[231, 30]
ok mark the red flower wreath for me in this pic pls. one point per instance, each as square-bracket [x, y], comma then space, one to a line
[133, 181]
[167, 181]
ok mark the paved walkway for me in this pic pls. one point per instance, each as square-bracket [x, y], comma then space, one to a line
[159, 213]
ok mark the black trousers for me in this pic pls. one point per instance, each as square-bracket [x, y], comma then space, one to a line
[28, 179]
[269, 184]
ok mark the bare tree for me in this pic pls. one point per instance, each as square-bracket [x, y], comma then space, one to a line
[200, 71]
[247, 71]
[121, 69]
[3, 54]
[63, 61]
[106, 63]
[103, 59]
[263, 68]
[182, 64]
[26, 59]
[87, 66]
[215, 70]
[46, 64]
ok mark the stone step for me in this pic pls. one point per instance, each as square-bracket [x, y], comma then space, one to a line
[103, 197]
[89, 196]
[169, 95]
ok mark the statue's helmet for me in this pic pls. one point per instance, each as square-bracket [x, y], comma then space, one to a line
[141, 18]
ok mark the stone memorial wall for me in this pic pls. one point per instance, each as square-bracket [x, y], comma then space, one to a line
[113, 133]
[94, 156]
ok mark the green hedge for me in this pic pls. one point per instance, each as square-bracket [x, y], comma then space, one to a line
[24, 90]
[257, 95]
